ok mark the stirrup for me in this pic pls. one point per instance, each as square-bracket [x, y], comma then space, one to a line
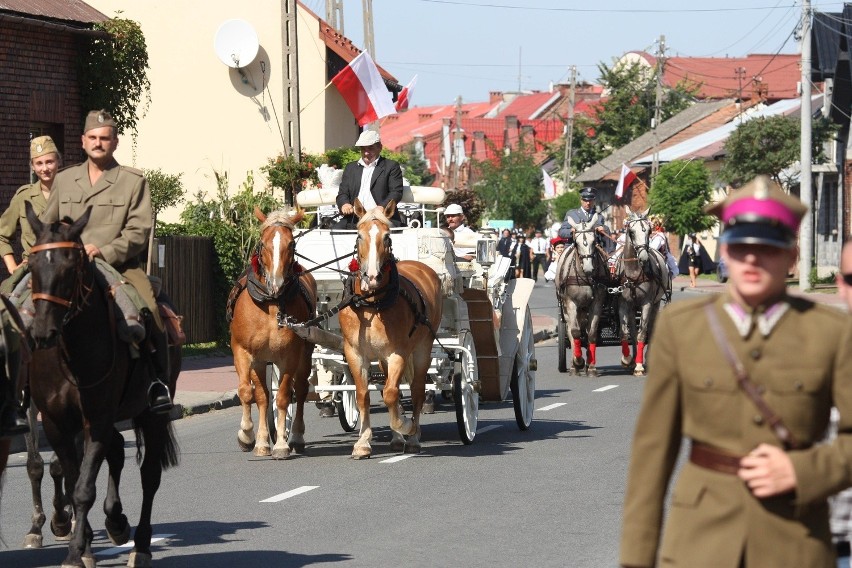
[159, 403]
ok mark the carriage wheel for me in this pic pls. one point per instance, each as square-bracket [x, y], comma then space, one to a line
[347, 407]
[273, 378]
[465, 391]
[562, 332]
[523, 376]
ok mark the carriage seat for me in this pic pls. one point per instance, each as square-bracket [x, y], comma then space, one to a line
[424, 195]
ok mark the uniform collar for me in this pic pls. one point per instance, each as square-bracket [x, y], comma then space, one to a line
[764, 318]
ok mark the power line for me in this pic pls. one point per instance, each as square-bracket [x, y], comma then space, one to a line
[602, 10]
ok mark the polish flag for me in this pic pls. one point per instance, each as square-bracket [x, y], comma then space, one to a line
[627, 177]
[549, 185]
[405, 95]
[364, 91]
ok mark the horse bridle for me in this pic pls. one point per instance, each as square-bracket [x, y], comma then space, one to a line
[584, 232]
[81, 291]
[291, 273]
[628, 223]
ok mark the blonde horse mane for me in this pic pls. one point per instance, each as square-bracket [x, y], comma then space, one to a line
[374, 215]
[280, 217]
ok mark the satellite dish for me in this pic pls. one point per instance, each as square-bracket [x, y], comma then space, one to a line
[236, 43]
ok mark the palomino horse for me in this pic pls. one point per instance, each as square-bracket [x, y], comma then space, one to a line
[643, 277]
[277, 293]
[581, 276]
[83, 378]
[392, 320]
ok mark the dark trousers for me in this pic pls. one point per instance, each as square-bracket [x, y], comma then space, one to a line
[538, 260]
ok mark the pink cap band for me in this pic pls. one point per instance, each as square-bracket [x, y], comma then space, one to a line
[761, 208]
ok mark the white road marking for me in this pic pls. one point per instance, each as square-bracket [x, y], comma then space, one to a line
[291, 493]
[397, 458]
[606, 388]
[127, 546]
[552, 406]
[488, 428]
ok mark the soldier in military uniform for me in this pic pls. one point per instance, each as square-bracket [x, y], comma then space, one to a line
[45, 161]
[118, 228]
[754, 491]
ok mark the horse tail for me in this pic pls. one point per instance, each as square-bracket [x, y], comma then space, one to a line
[170, 455]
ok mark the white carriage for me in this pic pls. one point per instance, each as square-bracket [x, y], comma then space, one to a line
[484, 347]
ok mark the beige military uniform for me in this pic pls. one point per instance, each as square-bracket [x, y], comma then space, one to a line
[802, 362]
[120, 222]
[16, 215]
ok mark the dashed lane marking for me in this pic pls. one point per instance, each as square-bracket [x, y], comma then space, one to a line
[606, 388]
[397, 458]
[125, 547]
[291, 493]
[551, 406]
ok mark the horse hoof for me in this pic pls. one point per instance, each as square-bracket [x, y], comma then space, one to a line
[262, 451]
[579, 363]
[61, 529]
[139, 560]
[297, 448]
[411, 448]
[245, 446]
[118, 532]
[89, 561]
[397, 445]
[281, 453]
[33, 541]
[592, 372]
[361, 452]
[627, 363]
[639, 371]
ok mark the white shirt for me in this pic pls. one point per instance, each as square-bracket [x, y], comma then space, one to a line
[365, 195]
[539, 245]
[658, 241]
[459, 252]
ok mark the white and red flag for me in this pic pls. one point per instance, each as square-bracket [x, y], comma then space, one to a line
[405, 95]
[549, 184]
[364, 91]
[627, 177]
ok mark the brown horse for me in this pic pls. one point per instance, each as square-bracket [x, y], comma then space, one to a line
[398, 306]
[277, 293]
[83, 378]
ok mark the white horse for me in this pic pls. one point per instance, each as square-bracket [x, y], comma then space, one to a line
[644, 279]
[581, 275]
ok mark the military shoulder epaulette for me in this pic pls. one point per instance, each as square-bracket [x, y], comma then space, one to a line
[133, 171]
[22, 188]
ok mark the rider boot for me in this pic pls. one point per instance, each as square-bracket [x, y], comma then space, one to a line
[159, 397]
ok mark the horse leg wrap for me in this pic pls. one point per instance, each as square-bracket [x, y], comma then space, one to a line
[625, 348]
[578, 349]
[591, 354]
[640, 352]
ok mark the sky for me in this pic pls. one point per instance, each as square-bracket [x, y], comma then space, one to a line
[469, 48]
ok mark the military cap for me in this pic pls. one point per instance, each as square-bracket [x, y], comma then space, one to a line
[588, 193]
[760, 212]
[98, 119]
[368, 138]
[41, 146]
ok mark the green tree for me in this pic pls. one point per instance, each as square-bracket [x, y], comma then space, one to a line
[769, 145]
[114, 72]
[564, 203]
[470, 203]
[416, 170]
[166, 189]
[510, 187]
[624, 114]
[680, 192]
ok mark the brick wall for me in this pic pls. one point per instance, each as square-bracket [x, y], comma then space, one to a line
[39, 88]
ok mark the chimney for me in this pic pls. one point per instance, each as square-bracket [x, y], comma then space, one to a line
[478, 150]
[511, 133]
[495, 97]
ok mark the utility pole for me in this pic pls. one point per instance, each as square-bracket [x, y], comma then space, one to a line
[293, 145]
[334, 14]
[740, 73]
[569, 131]
[658, 104]
[806, 231]
[457, 142]
[369, 40]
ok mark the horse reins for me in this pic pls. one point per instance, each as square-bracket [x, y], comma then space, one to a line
[67, 303]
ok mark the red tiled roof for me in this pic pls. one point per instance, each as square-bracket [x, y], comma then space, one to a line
[400, 129]
[68, 10]
[775, 75]
[523, 106]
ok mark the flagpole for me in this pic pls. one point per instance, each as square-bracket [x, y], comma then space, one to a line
[301, 110]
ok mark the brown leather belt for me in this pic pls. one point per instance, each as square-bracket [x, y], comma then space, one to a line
[713, 458]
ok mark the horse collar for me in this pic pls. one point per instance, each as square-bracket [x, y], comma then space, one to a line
[389, 293]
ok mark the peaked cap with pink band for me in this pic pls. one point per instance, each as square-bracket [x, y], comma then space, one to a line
[760, 212]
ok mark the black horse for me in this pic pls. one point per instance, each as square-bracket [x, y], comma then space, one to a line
[84, 378]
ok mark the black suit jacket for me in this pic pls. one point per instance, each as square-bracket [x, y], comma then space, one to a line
[386, 184]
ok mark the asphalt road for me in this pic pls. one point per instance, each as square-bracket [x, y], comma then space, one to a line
[550, 496]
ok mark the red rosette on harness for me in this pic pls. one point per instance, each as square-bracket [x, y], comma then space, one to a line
[354, 265]
[297, 268]
[255, 264]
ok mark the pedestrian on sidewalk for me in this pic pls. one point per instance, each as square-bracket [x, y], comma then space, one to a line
[749, 377]
[540, 247]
